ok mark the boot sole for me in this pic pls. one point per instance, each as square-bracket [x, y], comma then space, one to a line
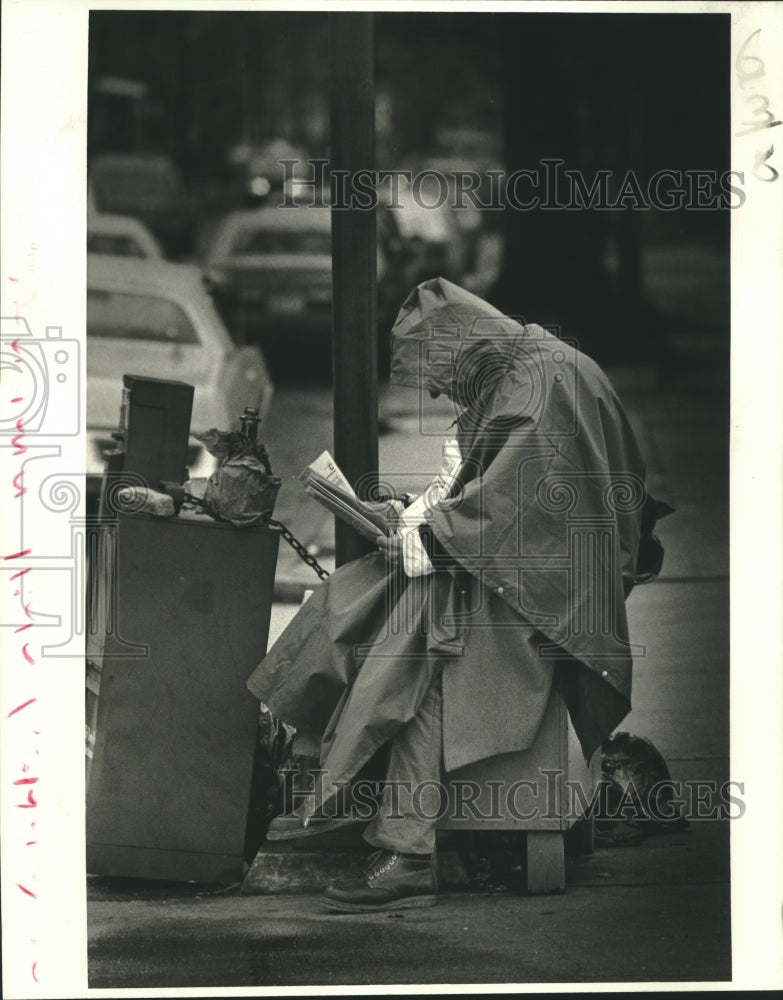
[408, 903]
[324, 826]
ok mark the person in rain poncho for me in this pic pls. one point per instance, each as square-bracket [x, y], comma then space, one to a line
[508, 577]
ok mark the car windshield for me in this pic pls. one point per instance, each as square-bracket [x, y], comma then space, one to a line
[119, 315]
[118, 246]
[271, 241]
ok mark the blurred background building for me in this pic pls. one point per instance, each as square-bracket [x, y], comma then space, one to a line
[220, 96]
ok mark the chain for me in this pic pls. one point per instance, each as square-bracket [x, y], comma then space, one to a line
[300, 550]
[295, 544]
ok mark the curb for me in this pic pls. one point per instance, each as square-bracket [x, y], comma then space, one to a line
[291, 591]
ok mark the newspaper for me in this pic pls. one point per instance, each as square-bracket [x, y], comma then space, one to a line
[325, 482]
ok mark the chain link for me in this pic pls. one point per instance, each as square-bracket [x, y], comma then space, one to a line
[300, 550]
[294, 542]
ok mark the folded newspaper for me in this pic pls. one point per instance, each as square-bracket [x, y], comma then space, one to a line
[324, 481]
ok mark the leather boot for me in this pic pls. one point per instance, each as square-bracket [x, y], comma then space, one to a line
[393, 881]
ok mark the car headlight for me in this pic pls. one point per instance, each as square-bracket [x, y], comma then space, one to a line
[260, 187]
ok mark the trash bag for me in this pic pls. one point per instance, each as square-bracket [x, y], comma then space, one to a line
[274, 750]
[242, 490]
[639, 798]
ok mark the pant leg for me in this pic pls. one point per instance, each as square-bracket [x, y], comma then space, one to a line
[409, 812]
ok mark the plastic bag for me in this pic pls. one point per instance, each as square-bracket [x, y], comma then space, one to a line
[242, 490]
[640, 799]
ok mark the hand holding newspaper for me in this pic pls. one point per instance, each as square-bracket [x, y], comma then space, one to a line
[325, 482]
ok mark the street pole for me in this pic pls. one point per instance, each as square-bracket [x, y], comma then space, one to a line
[354, 293]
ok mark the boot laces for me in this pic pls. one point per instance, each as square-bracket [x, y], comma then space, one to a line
[379, 864]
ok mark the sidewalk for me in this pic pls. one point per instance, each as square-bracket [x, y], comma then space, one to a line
[657, 912]
[654, 913]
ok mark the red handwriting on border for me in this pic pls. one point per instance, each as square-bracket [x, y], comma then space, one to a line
[16, 441]
[27, 782]
[22, 286]
[20, 707]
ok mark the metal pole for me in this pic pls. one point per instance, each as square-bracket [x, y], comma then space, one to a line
[354, 294]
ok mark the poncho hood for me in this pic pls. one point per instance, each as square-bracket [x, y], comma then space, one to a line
[443, 334]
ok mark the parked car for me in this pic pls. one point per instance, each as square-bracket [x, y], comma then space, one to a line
[151, 317]
[121, 236]
[270, 270]
[150, 189]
